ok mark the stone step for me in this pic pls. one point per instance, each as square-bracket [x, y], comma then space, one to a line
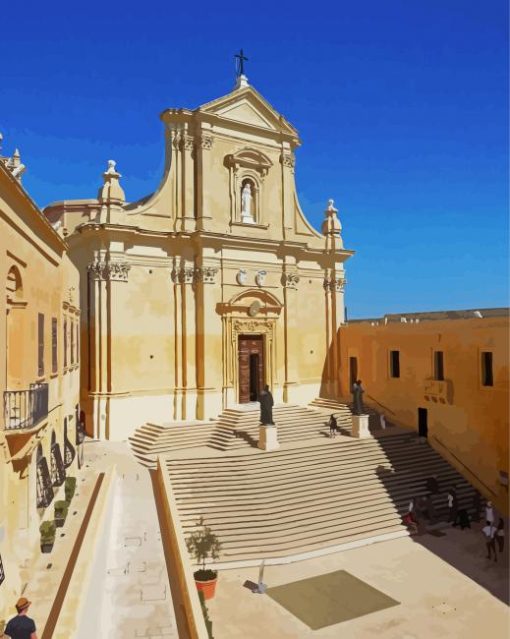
[298, 500]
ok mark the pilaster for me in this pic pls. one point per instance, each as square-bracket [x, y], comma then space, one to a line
[290, 282]
[103, 273]
[287, 161]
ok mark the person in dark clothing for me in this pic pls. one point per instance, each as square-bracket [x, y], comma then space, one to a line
[452, 505]
[500, 535]
[462, 519]
[477, 506]
[333, 426]
[21, 626]
[432, 485]
[490, 531]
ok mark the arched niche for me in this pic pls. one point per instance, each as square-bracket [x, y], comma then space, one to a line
[247, 166]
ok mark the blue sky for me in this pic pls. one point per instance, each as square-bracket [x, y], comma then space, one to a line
[401, 107]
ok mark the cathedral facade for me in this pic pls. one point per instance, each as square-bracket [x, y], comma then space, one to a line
[215, 285]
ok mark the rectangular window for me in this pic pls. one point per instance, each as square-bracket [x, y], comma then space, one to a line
[438, 365]
[40, 345]
[54, 351]
[72, 342]
[395, 363]
[487, 378]
[65, 343]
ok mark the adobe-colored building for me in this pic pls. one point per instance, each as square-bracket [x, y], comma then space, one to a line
[444, 374]
[195, 297]
[39, 375]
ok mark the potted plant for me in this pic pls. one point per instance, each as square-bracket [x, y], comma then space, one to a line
[70, 487]
[202, 545]
[61, 508]
[47, 530]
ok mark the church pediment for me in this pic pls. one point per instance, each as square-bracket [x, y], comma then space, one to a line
[247, 106]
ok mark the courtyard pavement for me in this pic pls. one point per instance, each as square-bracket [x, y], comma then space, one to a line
[445, 586]
[426, 574]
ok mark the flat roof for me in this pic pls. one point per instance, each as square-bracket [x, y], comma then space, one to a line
[437, 315]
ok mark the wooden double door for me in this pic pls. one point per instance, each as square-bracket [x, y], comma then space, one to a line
[251, 367]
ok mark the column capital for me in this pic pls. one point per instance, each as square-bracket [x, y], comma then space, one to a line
[290, 280]
[106, 270]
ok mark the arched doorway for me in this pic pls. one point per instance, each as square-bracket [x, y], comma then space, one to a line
[251, 324]
[251, 367]
[15, 329]
[44, 487]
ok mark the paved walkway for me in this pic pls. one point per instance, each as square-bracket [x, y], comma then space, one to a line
[127, 597]
[130, 595]
[430, 576]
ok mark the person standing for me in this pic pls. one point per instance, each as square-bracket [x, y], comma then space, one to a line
[333, 426]
[500, 535]
[452, 505]
[410, 519]
[490, 531]
[21, 626]
[489, 512]
[357, 397]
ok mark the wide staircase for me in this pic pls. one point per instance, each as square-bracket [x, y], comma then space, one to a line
[313, 498]
[235, 429]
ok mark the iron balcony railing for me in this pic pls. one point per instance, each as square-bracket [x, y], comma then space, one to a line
[25, 408]
[2, 572]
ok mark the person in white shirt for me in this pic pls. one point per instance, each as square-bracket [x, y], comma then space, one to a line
[490, 531]
[489, 512]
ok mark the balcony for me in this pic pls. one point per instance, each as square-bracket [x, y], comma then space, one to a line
[26, 408]
[438, 391]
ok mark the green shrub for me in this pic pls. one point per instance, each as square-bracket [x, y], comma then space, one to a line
[61, 508]
[48, 531]
[203, 544]
[70, 487]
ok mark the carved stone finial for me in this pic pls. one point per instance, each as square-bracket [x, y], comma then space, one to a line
[331, 206]
[331, 224]
[111, 168]
[111, 189]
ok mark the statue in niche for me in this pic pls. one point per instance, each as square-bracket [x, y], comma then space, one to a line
[246, 203]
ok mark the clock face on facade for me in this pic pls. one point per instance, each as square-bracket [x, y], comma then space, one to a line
[254, 308]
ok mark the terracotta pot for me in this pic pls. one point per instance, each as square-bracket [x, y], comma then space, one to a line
[207, 587]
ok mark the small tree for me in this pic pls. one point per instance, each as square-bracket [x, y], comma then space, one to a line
[202, 545]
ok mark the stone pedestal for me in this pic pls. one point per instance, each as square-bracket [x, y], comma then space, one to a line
[268, 437]
[360, 426]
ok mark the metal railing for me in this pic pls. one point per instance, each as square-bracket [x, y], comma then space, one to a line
[25, 408]
[450, 452]
[381, 405]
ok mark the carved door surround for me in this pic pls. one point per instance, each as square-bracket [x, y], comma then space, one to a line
[239, 323]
